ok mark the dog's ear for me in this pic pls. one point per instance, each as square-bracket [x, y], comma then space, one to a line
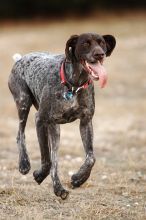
[110, 43]
[70, 47]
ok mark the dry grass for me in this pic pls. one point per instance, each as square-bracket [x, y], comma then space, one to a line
[117, 186]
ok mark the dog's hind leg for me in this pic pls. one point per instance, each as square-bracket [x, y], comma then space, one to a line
[54, 136]
[23, 101]
[83, 174]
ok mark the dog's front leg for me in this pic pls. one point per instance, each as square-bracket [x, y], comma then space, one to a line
[83, 174]
[42, 133]
[54, 137]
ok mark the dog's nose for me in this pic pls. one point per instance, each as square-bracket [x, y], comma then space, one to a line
[98, 55]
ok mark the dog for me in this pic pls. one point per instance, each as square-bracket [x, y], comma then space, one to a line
[61, 89]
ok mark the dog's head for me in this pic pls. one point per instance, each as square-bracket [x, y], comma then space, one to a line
[90, 50]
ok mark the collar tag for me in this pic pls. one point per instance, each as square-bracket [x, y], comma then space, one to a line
[68, 95]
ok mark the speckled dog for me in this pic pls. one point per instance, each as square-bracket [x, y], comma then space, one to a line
[61, 89]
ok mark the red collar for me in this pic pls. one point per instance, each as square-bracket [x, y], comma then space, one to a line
[62, 75]
[64, 81]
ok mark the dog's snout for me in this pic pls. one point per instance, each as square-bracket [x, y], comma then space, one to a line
[98, 55]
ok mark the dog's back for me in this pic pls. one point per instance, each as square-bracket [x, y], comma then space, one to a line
[37, 70]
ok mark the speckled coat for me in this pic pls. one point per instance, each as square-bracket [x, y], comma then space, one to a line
[35, 80]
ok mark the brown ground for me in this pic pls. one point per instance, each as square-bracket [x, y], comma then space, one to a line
[117, 187]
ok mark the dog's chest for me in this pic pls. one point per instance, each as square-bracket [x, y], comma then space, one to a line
[67, 108]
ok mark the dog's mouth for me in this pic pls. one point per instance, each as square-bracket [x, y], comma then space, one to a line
[97, 71]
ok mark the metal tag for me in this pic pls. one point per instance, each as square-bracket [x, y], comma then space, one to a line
[68, 95]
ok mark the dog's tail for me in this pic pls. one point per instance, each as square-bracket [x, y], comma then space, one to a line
[17, 57]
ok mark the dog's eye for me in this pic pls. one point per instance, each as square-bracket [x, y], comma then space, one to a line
[99, 41]
[86, 44]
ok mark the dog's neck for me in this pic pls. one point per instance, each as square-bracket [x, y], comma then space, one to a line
[75, 73]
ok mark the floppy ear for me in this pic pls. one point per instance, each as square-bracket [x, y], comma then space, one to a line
[110, 43]
[70, 47]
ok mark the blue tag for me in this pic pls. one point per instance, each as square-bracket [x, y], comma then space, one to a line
[68, 95]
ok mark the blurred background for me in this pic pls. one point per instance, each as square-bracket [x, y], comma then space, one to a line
[119, 176]
[45, 8]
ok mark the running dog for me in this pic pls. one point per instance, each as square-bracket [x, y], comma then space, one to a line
[61, 89]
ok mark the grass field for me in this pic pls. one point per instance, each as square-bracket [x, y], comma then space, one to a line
[116, 189]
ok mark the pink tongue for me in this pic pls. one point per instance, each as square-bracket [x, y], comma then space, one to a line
[100, 71]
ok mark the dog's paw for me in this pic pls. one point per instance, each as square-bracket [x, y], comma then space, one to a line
[24, 166]
[62, 193]
[39, 175]
[77, 180]
[83, 174]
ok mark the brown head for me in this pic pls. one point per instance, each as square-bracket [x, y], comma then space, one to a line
[90, 50]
